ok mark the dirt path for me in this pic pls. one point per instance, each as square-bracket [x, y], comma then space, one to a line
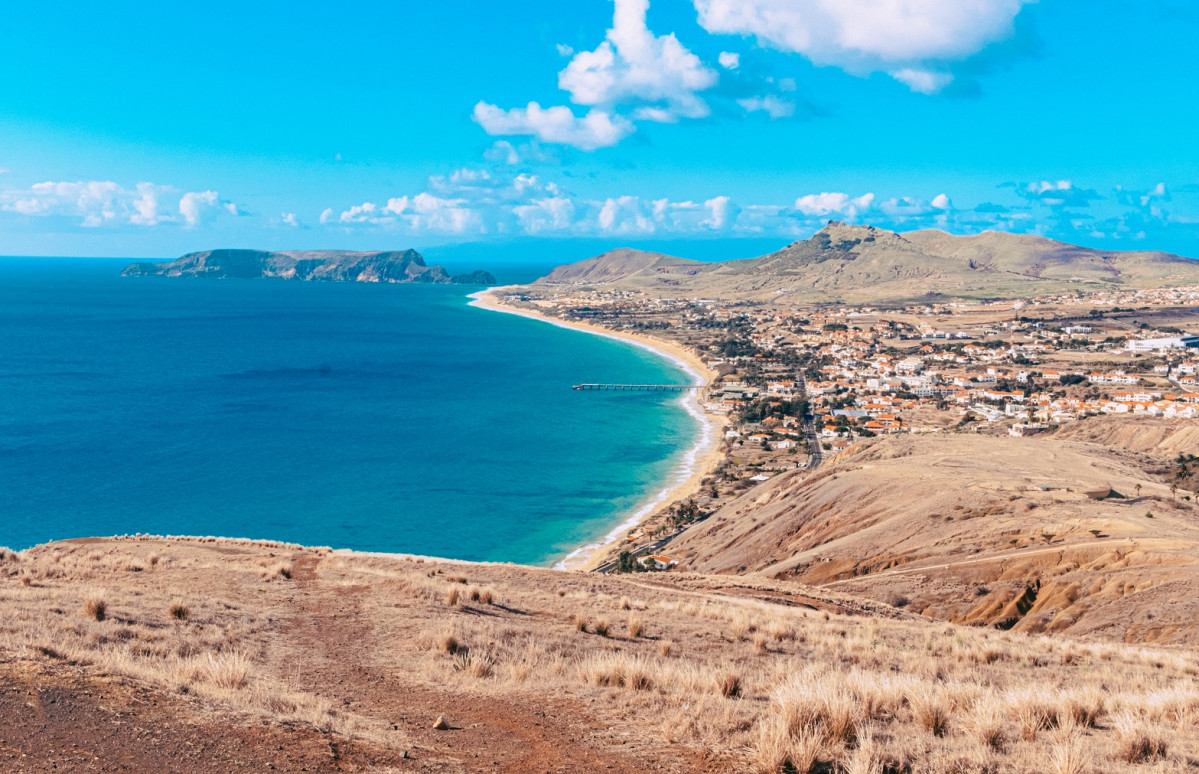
[487, 733]
[58, 720]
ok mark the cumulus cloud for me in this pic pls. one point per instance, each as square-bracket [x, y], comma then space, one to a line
[558, 124]
[196, 207]
[824, 204]
[632, 75]
[942, 202]
[290, 219]
[729, 60]
[635, 66]
[901, 38]
[100, 203]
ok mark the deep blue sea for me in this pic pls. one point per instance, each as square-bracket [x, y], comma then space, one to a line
[375, 417]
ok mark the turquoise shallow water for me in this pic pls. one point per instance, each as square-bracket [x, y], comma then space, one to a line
[380, 418]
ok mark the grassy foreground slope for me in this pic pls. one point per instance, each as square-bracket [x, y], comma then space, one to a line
[216, 655]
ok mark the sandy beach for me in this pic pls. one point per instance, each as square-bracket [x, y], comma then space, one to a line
[698, 461]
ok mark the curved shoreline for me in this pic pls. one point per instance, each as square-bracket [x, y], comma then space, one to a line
[698, 461]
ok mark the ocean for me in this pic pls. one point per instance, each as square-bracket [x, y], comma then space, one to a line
[391, 418]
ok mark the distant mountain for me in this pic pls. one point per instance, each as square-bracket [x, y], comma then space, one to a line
[330, 265]
[867, 264]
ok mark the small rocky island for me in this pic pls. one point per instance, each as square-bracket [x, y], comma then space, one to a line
[329, 265]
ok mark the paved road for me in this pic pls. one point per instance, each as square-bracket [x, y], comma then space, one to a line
[815, 453]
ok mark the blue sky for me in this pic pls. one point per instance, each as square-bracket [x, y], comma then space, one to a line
[154, 129]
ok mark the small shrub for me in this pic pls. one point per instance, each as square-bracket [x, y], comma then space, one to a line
[601, 627]
[930, 709]
[95, 607]
[636, 627]
[625, 604]
[449, 644]
[1136, 740]
[665, 647]
[476, 666]
[452, 597]
[580, 623]
[178, 610]
[730, 686]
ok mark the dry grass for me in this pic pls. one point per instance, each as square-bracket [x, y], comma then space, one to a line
[826, 692]
[636, 626]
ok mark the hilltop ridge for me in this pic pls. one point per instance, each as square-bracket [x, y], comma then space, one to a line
[865, 264]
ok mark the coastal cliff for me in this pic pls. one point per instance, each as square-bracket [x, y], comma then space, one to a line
[328, 265]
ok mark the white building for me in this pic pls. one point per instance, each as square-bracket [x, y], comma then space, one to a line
[1160, 345]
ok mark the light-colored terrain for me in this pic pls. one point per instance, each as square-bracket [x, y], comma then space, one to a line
[219, 656]
[984, 530]
[863, 264]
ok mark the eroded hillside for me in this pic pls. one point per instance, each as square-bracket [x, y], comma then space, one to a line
[1040, 535]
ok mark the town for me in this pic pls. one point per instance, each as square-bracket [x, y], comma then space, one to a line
[795, 386]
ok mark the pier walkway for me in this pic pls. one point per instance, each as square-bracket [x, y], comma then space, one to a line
[640, 387]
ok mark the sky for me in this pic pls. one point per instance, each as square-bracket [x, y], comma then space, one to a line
[714, 127]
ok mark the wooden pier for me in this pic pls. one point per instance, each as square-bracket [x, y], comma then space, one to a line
[640, 387]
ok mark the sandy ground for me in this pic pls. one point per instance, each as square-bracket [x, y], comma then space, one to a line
[706, 456]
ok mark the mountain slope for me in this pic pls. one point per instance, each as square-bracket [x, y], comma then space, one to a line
[863, 264]
[979, 530]
[333, 265]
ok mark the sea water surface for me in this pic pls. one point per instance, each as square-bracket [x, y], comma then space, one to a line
[375, 417]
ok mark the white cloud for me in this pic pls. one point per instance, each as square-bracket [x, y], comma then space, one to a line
[558, 124]
[555, 213]
[635, 66]
[861, 36]
[942, 202]
[823, 204]
[326, 215]
[773, 106]
[199, 206]
[107, 203]
[729, 60]
[290, 219]
[721, 213]
[633, 74]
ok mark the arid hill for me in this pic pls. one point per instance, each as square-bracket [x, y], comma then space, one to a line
[1038, 535]
[863, 264]
[333, 265]
[208, 655]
